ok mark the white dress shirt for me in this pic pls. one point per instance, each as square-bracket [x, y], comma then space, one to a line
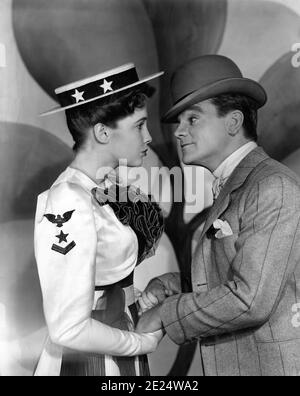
[225, 169]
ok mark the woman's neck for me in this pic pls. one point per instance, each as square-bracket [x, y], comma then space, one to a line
[93, 165]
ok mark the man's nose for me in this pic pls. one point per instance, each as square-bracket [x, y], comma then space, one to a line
[181, 131]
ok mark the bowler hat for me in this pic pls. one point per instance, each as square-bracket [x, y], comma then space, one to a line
[206, 77]
[98, 87]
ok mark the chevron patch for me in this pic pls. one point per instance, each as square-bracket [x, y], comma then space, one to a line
[64, 250]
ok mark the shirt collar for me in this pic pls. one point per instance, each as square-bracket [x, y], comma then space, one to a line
[230, 163]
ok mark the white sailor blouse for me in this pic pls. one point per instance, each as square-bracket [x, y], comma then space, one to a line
[79, 245]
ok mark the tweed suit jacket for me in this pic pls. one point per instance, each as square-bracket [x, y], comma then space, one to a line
[245, 304]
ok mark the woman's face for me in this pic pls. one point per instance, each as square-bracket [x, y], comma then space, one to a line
[130, 138]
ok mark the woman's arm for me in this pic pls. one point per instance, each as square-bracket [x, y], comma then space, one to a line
[65, 249]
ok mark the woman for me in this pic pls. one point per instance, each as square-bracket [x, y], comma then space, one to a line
[88, 239]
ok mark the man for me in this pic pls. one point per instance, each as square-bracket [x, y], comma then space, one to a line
[245, 304]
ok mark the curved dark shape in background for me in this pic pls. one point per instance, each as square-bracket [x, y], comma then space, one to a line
[64, 41]
[30, 161]
[279, 120]
[184, 29]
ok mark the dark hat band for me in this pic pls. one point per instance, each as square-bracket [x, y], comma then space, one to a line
[97, 88]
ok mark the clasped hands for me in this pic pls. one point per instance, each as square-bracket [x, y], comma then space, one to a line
[150, 302]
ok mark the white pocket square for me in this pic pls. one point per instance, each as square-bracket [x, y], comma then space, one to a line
[223, 227]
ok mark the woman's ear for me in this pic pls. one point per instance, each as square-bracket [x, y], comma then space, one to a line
[101, 133]
[234, 122]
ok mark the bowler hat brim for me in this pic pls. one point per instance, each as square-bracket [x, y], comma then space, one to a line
[243, 86]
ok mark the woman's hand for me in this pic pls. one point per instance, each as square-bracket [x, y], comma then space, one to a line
[148, 300]
[150, 341]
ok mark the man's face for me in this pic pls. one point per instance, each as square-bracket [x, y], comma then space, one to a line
[202, 135]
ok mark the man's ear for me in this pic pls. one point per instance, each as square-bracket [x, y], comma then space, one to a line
[101, 133]
[234, 122]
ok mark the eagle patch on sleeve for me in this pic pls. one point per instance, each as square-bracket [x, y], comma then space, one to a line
[60, 220]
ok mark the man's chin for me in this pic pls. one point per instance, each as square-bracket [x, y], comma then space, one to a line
[188, 160]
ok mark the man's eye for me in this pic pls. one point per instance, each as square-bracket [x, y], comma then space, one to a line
[192, 120]
[140, 126]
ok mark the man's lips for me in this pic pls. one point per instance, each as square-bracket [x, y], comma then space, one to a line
[185, 145]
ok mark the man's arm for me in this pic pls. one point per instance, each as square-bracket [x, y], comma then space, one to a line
[268, 248]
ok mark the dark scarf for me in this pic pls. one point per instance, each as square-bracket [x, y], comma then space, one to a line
[135, 209]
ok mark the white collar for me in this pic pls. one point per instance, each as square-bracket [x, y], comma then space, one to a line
[76, 176]
[227, 167]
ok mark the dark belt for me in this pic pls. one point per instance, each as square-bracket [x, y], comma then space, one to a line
[126, 282]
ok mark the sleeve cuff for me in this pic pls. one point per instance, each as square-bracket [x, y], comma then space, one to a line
[171, 321]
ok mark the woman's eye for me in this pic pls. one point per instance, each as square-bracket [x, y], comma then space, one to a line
[140, 127]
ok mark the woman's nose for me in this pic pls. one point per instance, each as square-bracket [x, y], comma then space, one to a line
[147, 136]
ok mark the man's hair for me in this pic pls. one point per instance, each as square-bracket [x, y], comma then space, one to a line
[229, 102]
[107, 111]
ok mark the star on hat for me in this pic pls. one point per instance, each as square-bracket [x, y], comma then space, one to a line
[107, 86]
[78, 96]
[113, 81]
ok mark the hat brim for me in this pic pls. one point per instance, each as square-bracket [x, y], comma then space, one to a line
[233, 85]
[144, 80]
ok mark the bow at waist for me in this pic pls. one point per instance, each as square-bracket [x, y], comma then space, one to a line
[112, 301]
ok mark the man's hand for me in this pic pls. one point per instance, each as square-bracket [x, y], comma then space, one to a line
[154, 294]
[150, 321]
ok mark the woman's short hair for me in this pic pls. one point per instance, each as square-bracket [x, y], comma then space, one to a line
[107, 111]
[229, 102]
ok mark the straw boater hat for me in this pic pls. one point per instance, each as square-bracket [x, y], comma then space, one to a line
[98, 87]
[206, 77]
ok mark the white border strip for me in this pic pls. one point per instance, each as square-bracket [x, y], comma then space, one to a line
[89, 80]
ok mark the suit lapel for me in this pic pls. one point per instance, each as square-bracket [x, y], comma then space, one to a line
[236, 180]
